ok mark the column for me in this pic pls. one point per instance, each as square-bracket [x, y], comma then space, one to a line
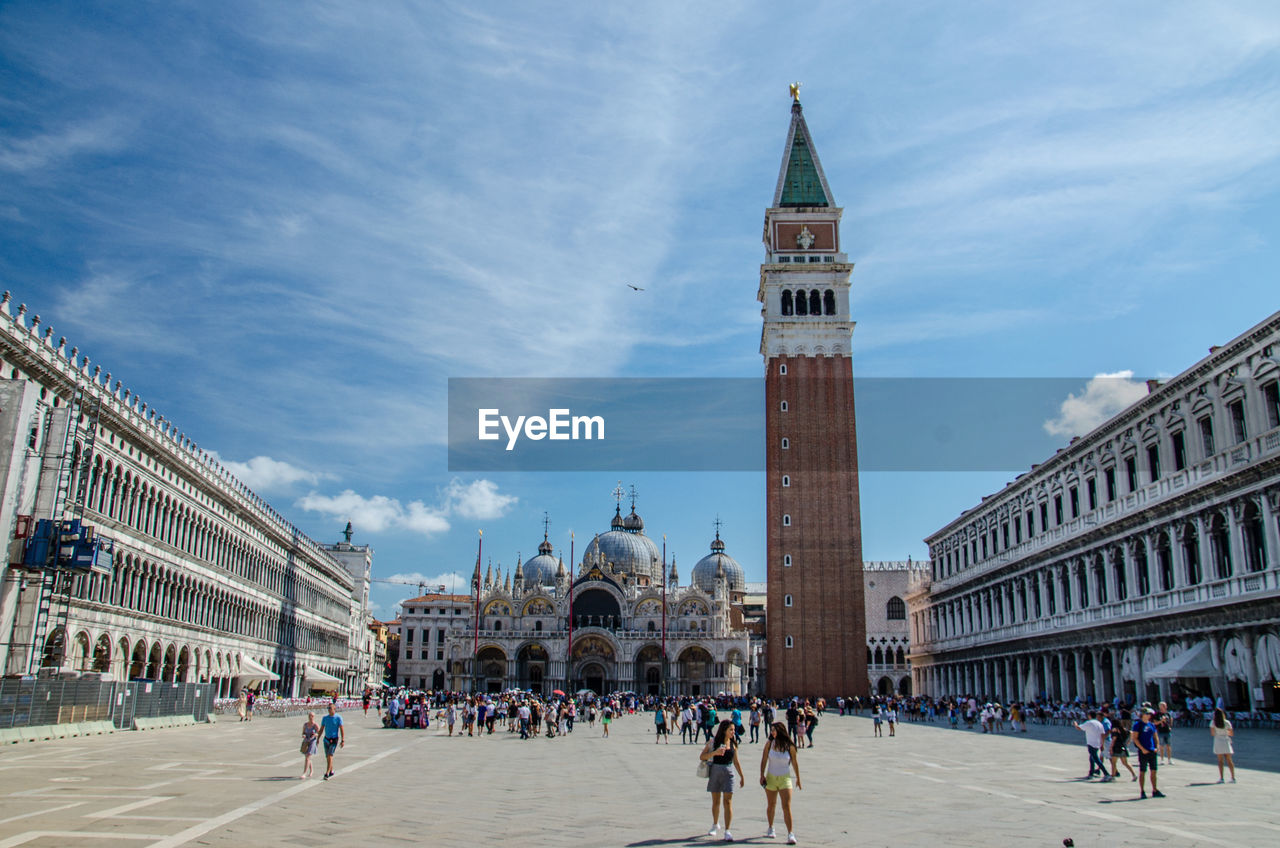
[1140, 679]
[1235, 536]
[1208, 571]
[1064, 684]
[1099, 681]
[1117, 676]
[1271, 531]
[1177, 555]
[1128, 553]
[1080, 681]
[1073, 583]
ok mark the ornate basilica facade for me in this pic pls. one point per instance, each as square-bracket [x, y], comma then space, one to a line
[604, 628]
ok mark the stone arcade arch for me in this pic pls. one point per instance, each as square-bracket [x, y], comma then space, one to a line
[695, 671]
[491, 669]
[595, 664]
[648, 670]
[102, 654]
[138, 665]
[531, 666]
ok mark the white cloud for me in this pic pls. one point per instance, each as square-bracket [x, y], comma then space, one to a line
[1103, 397]
[477, 500]
[264, 474]
[374, 514]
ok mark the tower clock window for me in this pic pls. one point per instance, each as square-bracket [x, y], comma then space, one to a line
[783, 406]
[786, 443]
[786, 560]
[786, 521]
[786, 481]
[786, 600]
[790, 642]
[782, 370]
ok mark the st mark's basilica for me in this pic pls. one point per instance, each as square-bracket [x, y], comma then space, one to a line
[612, 611]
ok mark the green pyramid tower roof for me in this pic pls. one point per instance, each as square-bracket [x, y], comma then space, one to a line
[802, 182]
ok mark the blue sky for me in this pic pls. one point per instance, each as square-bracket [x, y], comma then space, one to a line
[286, 225]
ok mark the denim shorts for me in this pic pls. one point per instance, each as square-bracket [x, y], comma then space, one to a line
[720, 779]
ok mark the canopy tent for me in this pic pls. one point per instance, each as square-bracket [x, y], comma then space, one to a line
[251, 670]
[1190, 663]
[314, 678]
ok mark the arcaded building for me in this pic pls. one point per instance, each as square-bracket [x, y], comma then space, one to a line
[1141, 560]
[197, 578]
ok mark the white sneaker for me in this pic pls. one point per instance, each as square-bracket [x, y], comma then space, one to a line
[791, 839]
[769, 834]
[728, 837]
[714, 830]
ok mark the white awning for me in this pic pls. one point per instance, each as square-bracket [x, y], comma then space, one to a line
[1191, 663]
[314, 678]
[251, 669]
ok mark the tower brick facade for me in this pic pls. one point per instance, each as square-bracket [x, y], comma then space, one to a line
[816, 629]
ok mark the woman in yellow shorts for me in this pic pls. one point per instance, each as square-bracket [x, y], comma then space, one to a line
[776, 765]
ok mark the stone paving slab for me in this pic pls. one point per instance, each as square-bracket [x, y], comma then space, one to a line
[235, 784]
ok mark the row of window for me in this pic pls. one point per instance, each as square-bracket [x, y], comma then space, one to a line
[809, 259]
[1067, 506]
[144, 587]
[811, 302]
[120, 496]
[1104, 576]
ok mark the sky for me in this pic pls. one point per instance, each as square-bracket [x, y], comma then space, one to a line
[286, 226]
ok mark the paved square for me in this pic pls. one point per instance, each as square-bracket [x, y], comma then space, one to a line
[234, 784]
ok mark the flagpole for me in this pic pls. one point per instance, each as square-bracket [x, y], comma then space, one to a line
[664, 615]
[475, 649]
[568, 660]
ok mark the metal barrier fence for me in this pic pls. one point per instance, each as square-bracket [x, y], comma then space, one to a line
[30, 702]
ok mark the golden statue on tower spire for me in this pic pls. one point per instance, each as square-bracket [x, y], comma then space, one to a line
[795, 92]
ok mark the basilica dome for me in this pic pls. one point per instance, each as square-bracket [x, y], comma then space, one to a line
[541, 570]
[708, 569]
[628, 548]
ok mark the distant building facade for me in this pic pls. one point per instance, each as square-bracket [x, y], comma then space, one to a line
[1118, 563]
[426, 623]
[886, 586]
[208, 582]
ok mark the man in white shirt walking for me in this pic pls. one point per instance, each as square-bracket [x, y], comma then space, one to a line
[1093, 734]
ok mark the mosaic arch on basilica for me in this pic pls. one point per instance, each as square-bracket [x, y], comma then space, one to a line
[601, 627]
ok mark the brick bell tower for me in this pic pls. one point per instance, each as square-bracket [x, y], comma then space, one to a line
[816, 627]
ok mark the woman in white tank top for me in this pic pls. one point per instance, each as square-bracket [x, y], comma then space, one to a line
[776, 765]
